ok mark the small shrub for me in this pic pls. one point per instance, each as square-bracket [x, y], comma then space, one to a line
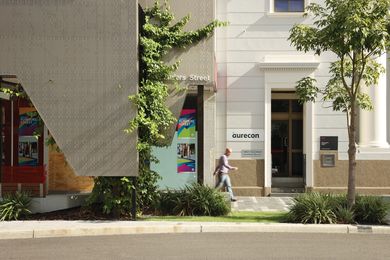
[113, 195]
[312, 207]
[338, 200]
[168, 202]
[370, 210]
[344, 215]
[326, 208]
[339, 205]
[193, 200]
[207, 201]
[15, 206]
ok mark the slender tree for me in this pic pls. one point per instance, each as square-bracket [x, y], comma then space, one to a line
[357, 32]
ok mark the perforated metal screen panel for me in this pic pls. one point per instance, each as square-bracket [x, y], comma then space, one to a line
[198, 60]
[77, 60]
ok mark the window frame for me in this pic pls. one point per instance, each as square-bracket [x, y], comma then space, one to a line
[273, 11]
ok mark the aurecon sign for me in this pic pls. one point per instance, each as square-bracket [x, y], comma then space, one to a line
[245, 135]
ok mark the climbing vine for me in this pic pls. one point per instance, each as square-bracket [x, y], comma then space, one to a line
[158, 37]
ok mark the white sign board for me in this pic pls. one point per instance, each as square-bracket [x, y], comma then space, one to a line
[259, 154]
[245, 135]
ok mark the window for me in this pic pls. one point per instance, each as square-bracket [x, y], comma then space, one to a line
[289, 5]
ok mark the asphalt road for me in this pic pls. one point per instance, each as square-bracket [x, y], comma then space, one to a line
[202, 246]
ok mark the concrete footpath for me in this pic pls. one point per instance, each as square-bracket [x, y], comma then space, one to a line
[44, 229]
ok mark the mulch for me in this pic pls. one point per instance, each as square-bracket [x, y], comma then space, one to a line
[77, 213]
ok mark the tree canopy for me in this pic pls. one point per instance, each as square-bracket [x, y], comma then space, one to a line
[357, 32]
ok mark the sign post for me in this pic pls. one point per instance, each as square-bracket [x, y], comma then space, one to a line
[134, 200]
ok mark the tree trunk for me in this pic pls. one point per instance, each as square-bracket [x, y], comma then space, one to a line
[352, 158]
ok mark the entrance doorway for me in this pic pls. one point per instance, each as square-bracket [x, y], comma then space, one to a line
[286, 140]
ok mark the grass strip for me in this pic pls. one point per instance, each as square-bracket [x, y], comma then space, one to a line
[254, 217]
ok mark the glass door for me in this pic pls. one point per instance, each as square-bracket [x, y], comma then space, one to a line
[279, 147]
[287, 138]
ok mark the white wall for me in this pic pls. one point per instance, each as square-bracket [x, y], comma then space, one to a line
[252, 34]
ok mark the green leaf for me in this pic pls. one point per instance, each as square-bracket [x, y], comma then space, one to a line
[306, 90]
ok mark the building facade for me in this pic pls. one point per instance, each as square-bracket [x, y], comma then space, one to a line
[278, 144]
[299, 146]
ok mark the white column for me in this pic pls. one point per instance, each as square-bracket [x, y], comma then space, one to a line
[388, 97]
[372, 124]
[366, 122]
[308, 142]
[210, 126]
[267, 138]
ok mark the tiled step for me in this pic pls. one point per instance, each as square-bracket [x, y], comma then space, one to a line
[286, 192]
[282, 195]
[287, 182]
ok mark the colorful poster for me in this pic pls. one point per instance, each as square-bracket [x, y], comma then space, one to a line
[186, 126]
[186, 158]
[28, 143]
[28, 121]
[28, 151]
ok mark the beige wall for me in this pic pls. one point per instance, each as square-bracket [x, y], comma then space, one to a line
[372, 177]
[248, 180]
